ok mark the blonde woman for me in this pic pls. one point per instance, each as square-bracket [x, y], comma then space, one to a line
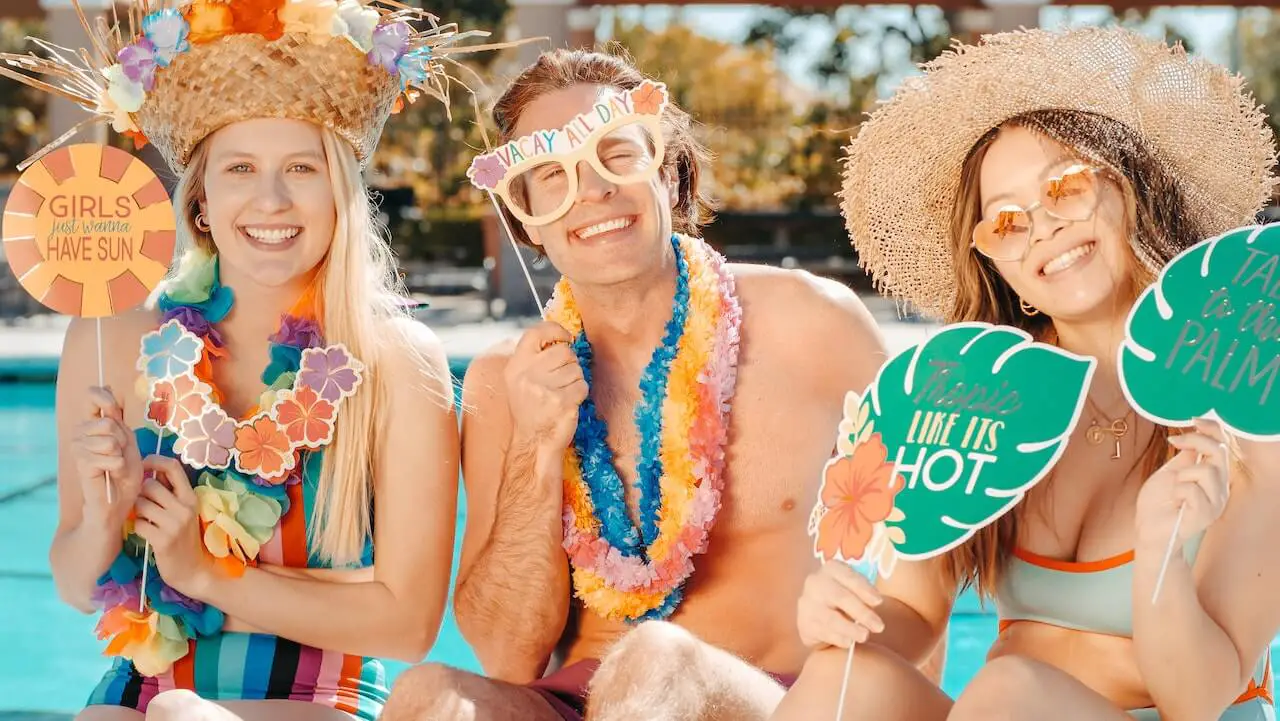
[1073, 167]
[290, 419]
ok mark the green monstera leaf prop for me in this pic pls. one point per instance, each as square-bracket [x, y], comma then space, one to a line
[1204, 340]
[949, 437]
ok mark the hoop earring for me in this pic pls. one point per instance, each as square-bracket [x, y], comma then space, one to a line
[1028, 309]
[202, 224]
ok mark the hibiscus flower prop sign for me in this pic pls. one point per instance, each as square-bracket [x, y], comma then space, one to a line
[949, 437]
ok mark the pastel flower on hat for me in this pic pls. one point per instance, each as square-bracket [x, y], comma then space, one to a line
[121, 121]
[414, 67]
[167, 32]
[126, 94]
[313, 18]
[208, 20]
[357, 23]
[390, 43]
[139, 62]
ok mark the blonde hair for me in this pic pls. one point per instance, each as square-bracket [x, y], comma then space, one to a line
[360, 270]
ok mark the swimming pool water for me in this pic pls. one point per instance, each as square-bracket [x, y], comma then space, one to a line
[49, 657]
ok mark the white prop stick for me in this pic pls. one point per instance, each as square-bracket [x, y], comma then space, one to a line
[844, 685]
[848, 665]
[146, 551]
[516, 247]
[1168, 552]
[102, 384]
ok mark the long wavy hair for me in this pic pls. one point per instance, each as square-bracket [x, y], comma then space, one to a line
[1158, 231]
[358, 275]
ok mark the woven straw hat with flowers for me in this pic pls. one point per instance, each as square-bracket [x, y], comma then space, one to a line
[173, 71]
[902, 172]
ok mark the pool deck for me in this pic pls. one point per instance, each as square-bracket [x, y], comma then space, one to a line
[30, 349]
[33, 349]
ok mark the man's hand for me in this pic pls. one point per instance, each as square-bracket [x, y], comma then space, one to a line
[545, 386]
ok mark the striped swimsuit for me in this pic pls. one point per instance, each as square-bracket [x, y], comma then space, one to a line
[244, 666]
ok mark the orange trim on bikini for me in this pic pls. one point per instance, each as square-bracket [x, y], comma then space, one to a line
[1005, 623]
[1056, 564]
[1256, 690]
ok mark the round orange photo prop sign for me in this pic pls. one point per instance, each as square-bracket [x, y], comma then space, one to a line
[89, 231]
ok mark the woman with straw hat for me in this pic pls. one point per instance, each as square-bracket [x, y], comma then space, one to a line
[255, 494]
[1041, 180]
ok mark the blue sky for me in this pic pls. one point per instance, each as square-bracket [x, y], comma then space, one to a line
[1209, 29]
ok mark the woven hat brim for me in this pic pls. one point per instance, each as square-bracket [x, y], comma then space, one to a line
[901, 174]
[244, 77]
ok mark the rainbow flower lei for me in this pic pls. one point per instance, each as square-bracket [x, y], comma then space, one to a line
[619, 571]
[240, 469]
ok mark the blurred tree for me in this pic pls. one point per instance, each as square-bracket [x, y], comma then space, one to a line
[862, 42]
[22, 109]
[818, 138]
[469, 14]
[1155, 21]
[867, 52]
[1259, 62]
[746, 109]
[420, 167]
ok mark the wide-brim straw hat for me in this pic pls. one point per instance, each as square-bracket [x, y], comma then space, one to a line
[901, 173]
[342, 64]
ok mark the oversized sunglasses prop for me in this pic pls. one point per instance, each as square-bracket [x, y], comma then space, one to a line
[1073, 196]
[536, 175]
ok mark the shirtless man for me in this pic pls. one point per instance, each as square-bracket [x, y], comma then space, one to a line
[731, 645]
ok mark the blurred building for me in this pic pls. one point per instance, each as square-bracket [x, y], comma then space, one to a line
[565, 23]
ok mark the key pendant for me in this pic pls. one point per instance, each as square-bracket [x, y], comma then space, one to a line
[1119, 428]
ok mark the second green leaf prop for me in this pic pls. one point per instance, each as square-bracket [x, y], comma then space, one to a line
[1204, 340]
[949, 437]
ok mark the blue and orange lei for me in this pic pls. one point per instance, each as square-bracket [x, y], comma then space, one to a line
[631, 574]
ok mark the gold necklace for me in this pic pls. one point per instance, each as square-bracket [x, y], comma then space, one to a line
[1118, 428]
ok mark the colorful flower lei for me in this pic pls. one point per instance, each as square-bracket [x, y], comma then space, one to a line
[168, 33]
[240, 468]
[622, 572]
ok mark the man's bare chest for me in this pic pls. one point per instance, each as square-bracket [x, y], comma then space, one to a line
[779, 438]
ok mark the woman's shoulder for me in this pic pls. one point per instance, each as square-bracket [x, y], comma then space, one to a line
[402, 335]
[411, 350]
[119, 336]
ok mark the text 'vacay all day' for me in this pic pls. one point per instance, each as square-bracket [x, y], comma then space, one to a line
[566, 138]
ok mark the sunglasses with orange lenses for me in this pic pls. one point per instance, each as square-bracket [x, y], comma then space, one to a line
[1071, 196]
